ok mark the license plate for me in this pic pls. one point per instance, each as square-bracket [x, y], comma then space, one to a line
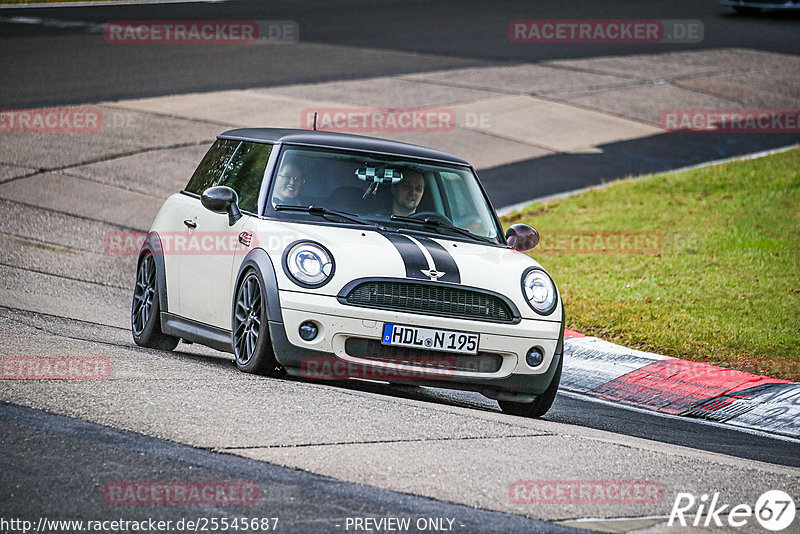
[430, 339]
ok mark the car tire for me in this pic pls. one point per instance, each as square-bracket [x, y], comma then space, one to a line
[252, 346]
[145, 308]
[541, 404]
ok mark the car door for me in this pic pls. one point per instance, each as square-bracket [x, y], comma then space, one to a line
[207, 174]
[206, 265]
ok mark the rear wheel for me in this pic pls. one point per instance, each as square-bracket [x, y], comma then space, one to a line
[252, 346]
[541, 404]
[145, 312]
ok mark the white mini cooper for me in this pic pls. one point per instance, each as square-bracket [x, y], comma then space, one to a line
[333, 256]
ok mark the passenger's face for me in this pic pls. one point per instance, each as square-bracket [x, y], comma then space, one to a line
[290, 180]
[408, 193]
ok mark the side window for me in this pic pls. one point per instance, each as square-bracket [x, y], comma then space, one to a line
[462, 197]
[461, 206]
[245, 172]
[211, 168]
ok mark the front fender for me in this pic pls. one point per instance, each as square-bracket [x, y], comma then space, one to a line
[152, 244]
[259, 260]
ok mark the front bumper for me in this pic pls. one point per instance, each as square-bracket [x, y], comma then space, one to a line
[505, 344]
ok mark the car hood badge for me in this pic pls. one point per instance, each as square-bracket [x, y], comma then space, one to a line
[433, 274]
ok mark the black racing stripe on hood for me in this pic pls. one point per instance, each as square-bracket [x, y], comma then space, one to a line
[413, 258]
[442, 259]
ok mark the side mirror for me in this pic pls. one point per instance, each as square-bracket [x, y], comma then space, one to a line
[222, 199]
[522, 237]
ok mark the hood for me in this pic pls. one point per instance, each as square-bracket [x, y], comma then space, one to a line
[368, 253]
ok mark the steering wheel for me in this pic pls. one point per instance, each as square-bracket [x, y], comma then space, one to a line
[433, 215]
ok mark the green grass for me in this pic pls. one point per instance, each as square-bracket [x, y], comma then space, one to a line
[725, 287]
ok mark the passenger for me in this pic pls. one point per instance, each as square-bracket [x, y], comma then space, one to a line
[407, 194]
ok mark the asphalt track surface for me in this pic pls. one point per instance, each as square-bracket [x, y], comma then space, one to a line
[47, 65]
[586, 412]
[97, 455]
[74, 459]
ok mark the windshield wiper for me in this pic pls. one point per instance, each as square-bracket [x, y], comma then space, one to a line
[322, 211]
[438, 224]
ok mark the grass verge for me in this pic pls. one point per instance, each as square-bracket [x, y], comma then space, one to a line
[702, 265]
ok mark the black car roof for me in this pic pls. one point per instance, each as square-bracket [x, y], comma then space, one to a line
[338, 140]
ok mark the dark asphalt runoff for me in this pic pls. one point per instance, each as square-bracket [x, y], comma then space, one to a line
[57, 468]
[56, 65]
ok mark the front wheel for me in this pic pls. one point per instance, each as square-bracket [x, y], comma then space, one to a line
[145, 312]
[541, 404]
[252, 346]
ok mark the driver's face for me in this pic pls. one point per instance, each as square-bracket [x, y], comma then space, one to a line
[408, 193]
[290, 180]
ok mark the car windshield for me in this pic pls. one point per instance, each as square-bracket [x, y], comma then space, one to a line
[390, 190]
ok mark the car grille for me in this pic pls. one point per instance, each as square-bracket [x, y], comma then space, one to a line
[373, 349]
[432, 300]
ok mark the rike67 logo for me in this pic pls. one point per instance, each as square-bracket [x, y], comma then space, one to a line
[774, 510]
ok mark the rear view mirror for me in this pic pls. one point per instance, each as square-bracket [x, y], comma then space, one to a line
[378, 175]
[522, 237]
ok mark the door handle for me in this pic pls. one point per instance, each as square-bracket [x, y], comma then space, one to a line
[190, 223]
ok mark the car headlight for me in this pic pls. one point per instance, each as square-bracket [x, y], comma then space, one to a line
[308, 264]
[539, 290]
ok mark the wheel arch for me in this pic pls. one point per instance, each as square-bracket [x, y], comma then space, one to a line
[152, 244]
[258, 260]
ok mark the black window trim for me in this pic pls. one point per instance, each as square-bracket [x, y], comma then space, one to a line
[267, 172]
[267, 212]
[277, 150]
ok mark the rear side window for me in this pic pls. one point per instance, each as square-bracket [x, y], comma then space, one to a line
[245, 172]
[239, 165]
[211, 168]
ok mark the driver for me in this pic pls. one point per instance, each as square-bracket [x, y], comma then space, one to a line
[289, 182]
[407, 194]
